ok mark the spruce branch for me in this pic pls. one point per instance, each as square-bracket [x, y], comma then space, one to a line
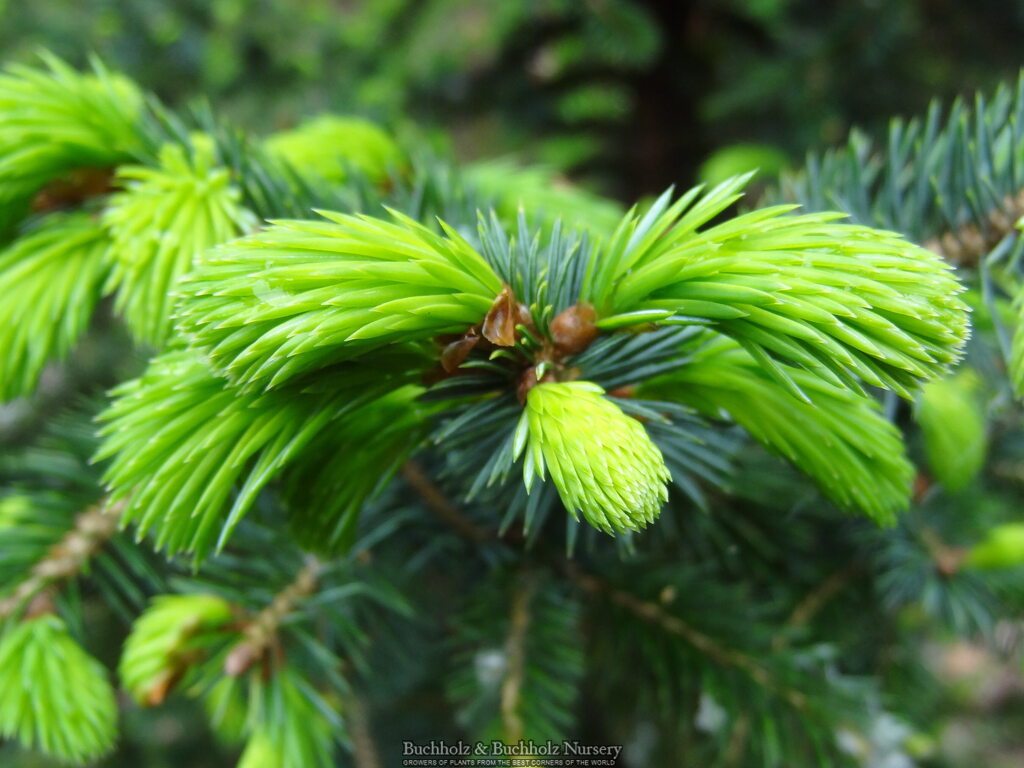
[309, 342]
[92, 529]
[261, 630]
[919, 566]
[161, 220]
[816, 599]
[438, 503]
[51, 280]
[364, 748]
[518, 658]
[287, 722]
[950, 179]
[845, 302]
[840, 439]
[515, 653]
[54, 696]
[181, 439]
[54, 120]
[328, 291]
[169, 637]
[650, 611]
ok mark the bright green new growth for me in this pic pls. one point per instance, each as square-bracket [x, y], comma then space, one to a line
[602, 461]
[1016, 361]
[297, 390]
[260, 752]
[842, 301]
[162, 639]
[285, 721]
[952, 422]
[50, 282]
[839, 438]
[328, 145]
[291, 716]
[182, 440]
[301, 295]
[542, 194]
[54, 696]
[360, 455]
[163, 219]
[1003, 547]
[56, 120]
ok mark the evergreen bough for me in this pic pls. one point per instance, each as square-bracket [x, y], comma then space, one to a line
[340, 364]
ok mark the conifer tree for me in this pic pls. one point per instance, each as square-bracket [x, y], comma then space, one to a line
[382, 426]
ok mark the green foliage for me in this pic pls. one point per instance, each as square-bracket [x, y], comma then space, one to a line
[328, 145]
[601, 460]
[56, 119]
[54, 697]
[304, 294]
[211, 442]
[260, 752]
[316, 358]
[952, 423]
[28, 532]
[517, 660]
[46, 486]
[30, 523]
[952, 179]
[738, 159]
[840, 439]
[543, 193]
[287, 724]
[1003, 547]
[164, 640]
[838, 300]
[360, 456]
[914, 572]
[298, 725]
[702, 657]
[931, 176]
[51, 280]
[545, 270]
[1015, 360]
[162, 220]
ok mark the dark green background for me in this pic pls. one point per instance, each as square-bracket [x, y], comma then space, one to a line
[631, 95]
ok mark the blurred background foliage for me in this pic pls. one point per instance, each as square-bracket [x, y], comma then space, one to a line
[630, 96]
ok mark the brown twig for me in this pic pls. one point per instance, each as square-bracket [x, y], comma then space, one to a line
[652, 612]
[817, 598]
[439, 504]
[947, 559]
[737, 745]
[646, 610]
[91, 530]
[515, 651]
[261, 631]
[964, 246]
[364, 748]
